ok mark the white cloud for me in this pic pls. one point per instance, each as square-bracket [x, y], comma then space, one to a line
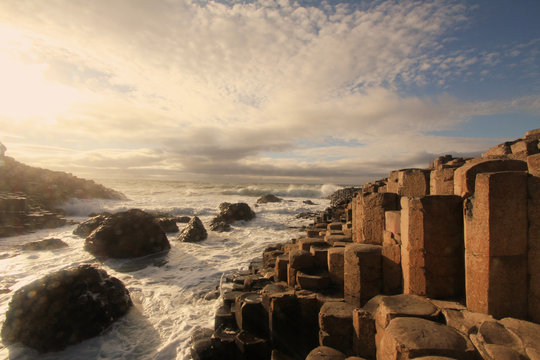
[191, 88]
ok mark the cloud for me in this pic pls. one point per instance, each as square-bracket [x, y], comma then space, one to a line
[207, 89]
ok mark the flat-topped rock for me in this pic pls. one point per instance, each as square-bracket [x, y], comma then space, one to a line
[408, 338]
[325, 353]
[464, 320]
[404, 305]
[528, 332]
[465, 176]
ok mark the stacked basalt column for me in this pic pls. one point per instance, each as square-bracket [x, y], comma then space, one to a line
[496, 222]
[441, 181]
[533, 209]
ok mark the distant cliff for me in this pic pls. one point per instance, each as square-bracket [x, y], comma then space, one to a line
[47, 188]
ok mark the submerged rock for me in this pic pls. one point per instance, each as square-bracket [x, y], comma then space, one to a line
[268, 198]
[47, 244]
[65, 308]
[194, 231]
[230, 213]
[127, 234]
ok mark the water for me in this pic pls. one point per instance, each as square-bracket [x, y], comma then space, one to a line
[167, 290]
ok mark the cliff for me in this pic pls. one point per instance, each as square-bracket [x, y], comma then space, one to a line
[29, 196]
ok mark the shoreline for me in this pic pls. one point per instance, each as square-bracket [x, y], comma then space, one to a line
[368, 274]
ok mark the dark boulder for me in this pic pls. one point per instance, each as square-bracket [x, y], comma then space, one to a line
[194, 231]
[47, 244]
[166, 221]
[230, 213]
[220, 226]
[168, 224]
[309, 202]
[268, 198]
[65, 308]
[127, 234]
[84, 229]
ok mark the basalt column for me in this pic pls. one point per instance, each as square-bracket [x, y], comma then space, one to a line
[432, 246]
[496, 245]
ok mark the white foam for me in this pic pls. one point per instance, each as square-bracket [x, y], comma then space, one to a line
[167, 290]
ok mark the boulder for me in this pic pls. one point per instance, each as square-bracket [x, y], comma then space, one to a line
[127, 234]
[325, 353]
[201, 344]
[230, 213]
[47, 244]
[408, 338]
[84, 229]
[268, 198]
[65, 308]
[194, 231]
[167, 224]
[493, 341]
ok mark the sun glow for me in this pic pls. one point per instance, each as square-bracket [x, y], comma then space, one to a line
[24, 89]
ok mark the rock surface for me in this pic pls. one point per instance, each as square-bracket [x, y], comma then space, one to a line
[194, 231]
[230, 213]
[47, 244]
[268, 198]
[127, 234]
[50, 188]
[343, 196]
[29, 196]
[65, 308]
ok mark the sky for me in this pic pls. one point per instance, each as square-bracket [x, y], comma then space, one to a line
[263, 90]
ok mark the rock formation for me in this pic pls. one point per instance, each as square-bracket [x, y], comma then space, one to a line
[194, 231]
[47, 244]
[268, 198]
[230, 213]
[29, 196]
[435, 263]
[65, 308]
[127, 234]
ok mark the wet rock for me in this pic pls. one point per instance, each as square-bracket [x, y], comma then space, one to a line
[230, 213]
[308, 202]
[325, 353]
[167, 224]
[268, 198]
[127, 234]
[47, 244]
[343, 196]
[84, 229]
[65, 308]
[409, 337]
[201, 345]
[307, 215]
[194, 231]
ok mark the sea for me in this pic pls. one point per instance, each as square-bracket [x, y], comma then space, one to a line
[168, 290]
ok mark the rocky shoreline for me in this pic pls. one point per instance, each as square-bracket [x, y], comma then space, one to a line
[29, 196]
[435, 263]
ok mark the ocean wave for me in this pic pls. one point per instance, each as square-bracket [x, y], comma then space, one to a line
[300, 191]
